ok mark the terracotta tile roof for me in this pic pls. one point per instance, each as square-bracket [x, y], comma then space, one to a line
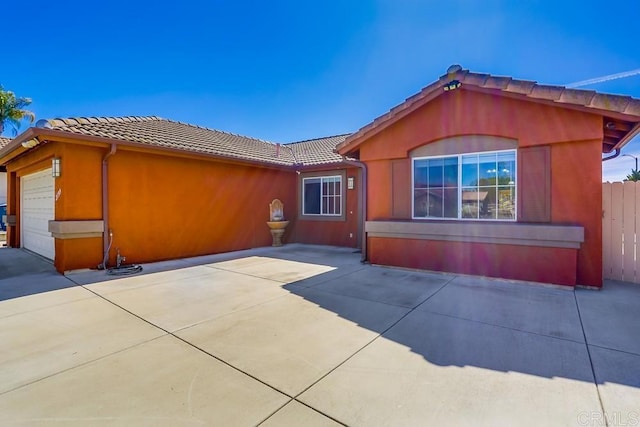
[622, 113]
[4, 141]
[317, 151]
[157, 132]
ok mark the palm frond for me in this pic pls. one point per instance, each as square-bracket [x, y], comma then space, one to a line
[12, 110]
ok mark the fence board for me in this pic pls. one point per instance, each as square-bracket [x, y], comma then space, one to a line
[637, 228]
[628, 231]
[620, 228]
[606, 230]
[616, 231]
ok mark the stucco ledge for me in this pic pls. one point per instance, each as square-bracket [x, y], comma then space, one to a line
[76, 229]
[543, 235]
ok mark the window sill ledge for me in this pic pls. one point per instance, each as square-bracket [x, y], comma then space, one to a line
[543, 235]
[76, 229]
[310, 217]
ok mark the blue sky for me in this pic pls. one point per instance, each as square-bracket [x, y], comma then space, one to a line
[291, 70]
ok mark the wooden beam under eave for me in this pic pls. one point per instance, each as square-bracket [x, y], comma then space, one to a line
[607, 148]
[610, 141]
[617, 125]
[612, 133]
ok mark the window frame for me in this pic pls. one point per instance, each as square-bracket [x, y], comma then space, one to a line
[321, 215]
[460, 187]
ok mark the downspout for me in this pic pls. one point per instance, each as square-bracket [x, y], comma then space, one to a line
[613, 156]
[105, 207]
[363, 198]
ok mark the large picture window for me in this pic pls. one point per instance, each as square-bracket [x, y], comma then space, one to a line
[479, 186]
[322, 196]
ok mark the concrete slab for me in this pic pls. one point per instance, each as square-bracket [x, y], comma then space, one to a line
[19, 262]
[226, 256]
[438, 370]
[618, 379]
[531, 308]
[164, 382]
[497, 354]
[23, 273]
[337, 273]
[295, 414]
[112, 284]
[191, 300]
[20, 286]
[39, 343]
[611, 317]
[94, 276]
[280, 270]
[317, 254]
[293, 341]
[43, 300]
[391, 286]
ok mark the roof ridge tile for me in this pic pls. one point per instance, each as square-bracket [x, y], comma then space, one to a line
[620, 104]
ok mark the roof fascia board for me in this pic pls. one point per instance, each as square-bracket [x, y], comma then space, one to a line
[384, 122]
[322, 166]
[15, 148]
[416, 101]
[628, 137]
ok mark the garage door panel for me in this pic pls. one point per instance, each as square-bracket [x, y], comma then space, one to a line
[37, 206]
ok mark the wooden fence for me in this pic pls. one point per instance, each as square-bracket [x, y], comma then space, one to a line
[620, 225]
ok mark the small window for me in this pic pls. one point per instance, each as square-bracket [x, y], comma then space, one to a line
[480, 186]
[322, 196]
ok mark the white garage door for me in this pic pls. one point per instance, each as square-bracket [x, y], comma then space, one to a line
[37, 206]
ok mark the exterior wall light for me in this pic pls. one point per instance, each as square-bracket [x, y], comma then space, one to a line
[350, 183]
[55, 167]
[452, 85]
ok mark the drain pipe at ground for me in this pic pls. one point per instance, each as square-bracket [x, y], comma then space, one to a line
[363, 208]
[105, 207]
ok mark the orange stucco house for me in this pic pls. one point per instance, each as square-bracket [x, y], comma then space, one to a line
[474, 174]
[156, 189]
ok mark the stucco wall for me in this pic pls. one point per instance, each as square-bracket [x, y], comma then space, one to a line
[166, 205]
[323, 231]
[574, 139]
[160, 206]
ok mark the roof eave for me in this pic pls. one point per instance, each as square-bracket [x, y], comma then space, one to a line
[485, 83]
[15, 148]
[411, 104]
[336, 164]
[628, 137]
[43, 134]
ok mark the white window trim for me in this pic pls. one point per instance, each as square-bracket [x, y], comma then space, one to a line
[322, 178]
[459, 218]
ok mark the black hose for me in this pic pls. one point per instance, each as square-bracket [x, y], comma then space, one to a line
[124, 270]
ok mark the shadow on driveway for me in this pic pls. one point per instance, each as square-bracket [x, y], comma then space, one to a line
[495, 324]
[23, 273]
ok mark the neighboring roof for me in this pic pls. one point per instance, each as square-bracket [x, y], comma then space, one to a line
[474, 196]
[4, 141]
[317, 151]
[158, 132]
[622, 113]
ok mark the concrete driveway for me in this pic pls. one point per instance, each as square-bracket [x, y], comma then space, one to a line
[306, 335]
